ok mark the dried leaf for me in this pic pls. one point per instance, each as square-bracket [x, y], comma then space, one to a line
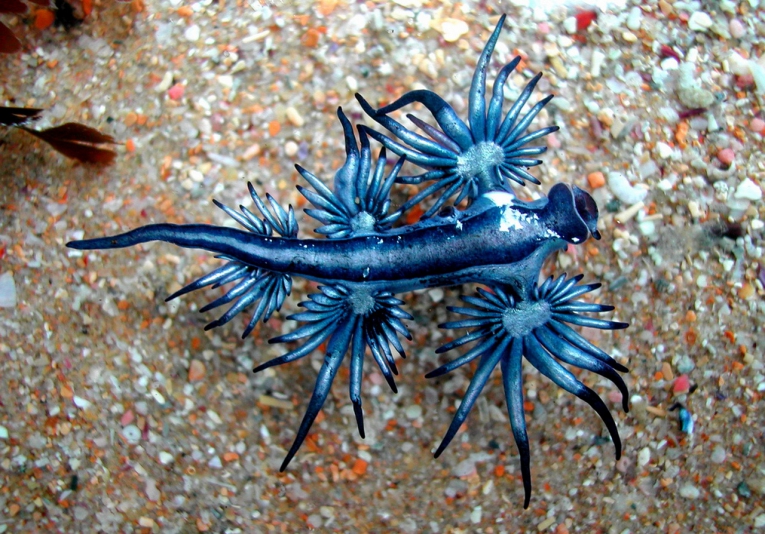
[16, 116]
[77, 141]
[12, 6]
[9, 43]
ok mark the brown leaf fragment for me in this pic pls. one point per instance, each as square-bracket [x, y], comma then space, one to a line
[12, 6]
[76, 132]
[77, 141]
[9, 43]
[10, 116]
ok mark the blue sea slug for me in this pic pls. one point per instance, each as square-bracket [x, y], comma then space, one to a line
[365, 258]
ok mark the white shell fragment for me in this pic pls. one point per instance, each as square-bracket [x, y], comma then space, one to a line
[451, 29]
[689, 90]
[623, 190]
[758, 73]
[748, 190]
[699, 21]
[596, 63]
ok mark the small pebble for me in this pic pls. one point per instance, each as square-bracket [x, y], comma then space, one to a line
[214, 417]
[476, 514]
[689, 491]
[226, 80]
[596, 62]
[682, 384]
[686, 365]
[623, 464]
[726, 156]
[634, 18]
[689, 90]
[718, 454]
[748, 190]
[196, 176]
[758, 74]
[644, 456]
[436, 294]
[737, 29]
[596, 179]
[132, 434]
[167, 81]
[3, 432]
[464, 469]
[743, 490]
[623, 190]
[165, 458]
[192, 33]
[294, 117]
[666, 371]
[686, 421]
[664, 150]
[669, 63]
[7, 291]
[452, 29]
[197, 371]
[152, 493]
[699, 21]
[290, 148]
[81, 403]
[176, 91]
[757, 125]
[127, 418]
[252, 151]
[413, 411]
[569, 25]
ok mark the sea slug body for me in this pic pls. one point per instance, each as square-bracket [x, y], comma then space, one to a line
[366, 257]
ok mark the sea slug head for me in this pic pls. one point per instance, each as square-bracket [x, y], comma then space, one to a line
[587, 210]
[572, 213]
[568, 213]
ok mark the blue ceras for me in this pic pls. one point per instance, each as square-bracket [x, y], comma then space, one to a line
[366, 259]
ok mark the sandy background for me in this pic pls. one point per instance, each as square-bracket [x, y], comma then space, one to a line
[209, 95]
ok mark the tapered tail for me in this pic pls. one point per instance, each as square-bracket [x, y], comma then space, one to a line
[246, 247]
[187, 235]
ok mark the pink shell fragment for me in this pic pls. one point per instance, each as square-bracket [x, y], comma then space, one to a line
[127, 418]
[682, 384]
[176, 91]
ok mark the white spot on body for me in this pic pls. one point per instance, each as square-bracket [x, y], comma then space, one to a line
[513, 219]
[500, 198]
